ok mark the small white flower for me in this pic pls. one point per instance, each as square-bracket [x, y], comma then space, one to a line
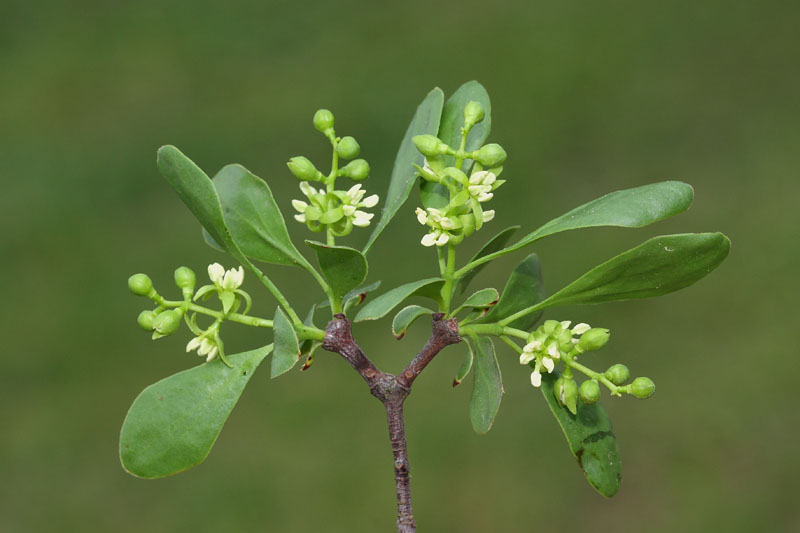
[442, 240]
[422, 216]
[536, 378]
[307, 189]
[446, 223]
[362, 218]
[534, 346]
[215, 273]
[204, 346]
[488, 215]
[548, 364]
[482, 177]
[299, 205]
[300, 218]
[485, 197]
[193, 344]
[566, 323]
[355, 194]
[429, 239]
[526, 357]
[553, 352]
[581, 328]
[371, 201]
[348, 210]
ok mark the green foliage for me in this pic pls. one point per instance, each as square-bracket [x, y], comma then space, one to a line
[287, 347]
[405, 317]
[492, 245]
[173, 423]
[523, 289]
[590, 439]
[487, 387]
[384, 303]
[343, 268]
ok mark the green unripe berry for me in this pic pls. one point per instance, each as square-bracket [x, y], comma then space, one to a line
[303, 169]
[355, 170]
[323, 120]
[473, 114]
[590, 391]
[140, 284]
[594, 339]
[185, 278]
[348, 148]
[167, 322]
[643, 387]
[145, 320]
[618, 374]
[429, 145]
[491, 155]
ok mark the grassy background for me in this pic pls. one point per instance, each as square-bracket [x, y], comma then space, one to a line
[588, 98]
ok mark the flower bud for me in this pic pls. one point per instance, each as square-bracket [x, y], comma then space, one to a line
[594, 339]
[473, 114]
[566, 391]
[303, 169]
[140, 284]
[429, 145]
[323, 120]
[491, 155]
[590, 391]
[185, 278]
[551, 326]
[167, 322]
[357, 169]
[348, 148]
[145, 320]
[618, 374]
[643, 387]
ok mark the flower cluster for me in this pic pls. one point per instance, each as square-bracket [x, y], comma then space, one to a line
[548, 343]
[463, 213]
[334, 211]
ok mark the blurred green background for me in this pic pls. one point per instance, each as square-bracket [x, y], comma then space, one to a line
[588, 97]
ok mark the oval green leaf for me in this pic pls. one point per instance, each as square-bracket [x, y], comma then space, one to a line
[405, 317]
[463, 370]
[523, 289]
[425, 121]
[659, 266]
[590, 439]
[384, 303]
[487, 387]
[629, 208]
[253, 218]
[482, 298]
[173, 424]
[287, 347]
[343, 268]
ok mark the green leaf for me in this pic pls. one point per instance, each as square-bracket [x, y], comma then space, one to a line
[659, 266]
[343, 268]
[195, 189]
[425, 121]
[433, 195]
[453, 118]
[384, 303]
[405, 317]
[590, 438]
[173, 424]
[481, 299]
[287, 347]
[630, 208]
[359, 294]
[492, 245]
[463, 370]
[523, 289]
[253, 218]
[487, 387]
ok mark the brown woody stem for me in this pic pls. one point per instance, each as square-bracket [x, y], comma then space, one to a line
[392, 391]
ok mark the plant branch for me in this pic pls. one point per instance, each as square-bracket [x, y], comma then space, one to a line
[392, 391]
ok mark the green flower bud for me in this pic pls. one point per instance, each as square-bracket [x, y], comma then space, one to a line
[618, 374]
[643, 387]
[185, 278]
[323, 120]
[552, 327]
[145, 320]
[566, 392]
[491, 155]
[140, 284]
[473, 114]
[167, 322]
[348, 148]
[303, 169]
[590, 391]
[594, 339]
[429, 145]
[357, 169]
